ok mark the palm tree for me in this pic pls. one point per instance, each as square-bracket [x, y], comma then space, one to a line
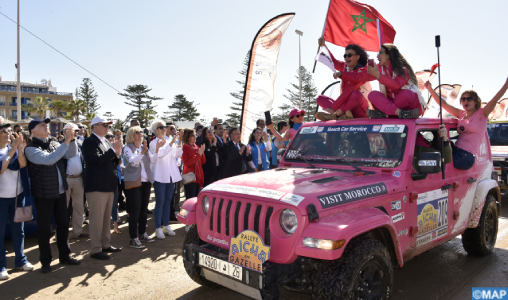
[39, 107]
[58, 107]
[90, 116]
[76, 108]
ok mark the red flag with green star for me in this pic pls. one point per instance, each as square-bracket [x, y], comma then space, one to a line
[352, 22]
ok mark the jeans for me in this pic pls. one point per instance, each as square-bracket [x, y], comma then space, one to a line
[114, 210]
[191, 190]
[46, 210]
[137, 199]
[462, 159]
[18, 235]
[163, 196]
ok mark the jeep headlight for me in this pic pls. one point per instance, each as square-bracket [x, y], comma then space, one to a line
[288, 221]
[205, 204]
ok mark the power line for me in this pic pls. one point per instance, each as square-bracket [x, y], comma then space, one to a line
[60, 52]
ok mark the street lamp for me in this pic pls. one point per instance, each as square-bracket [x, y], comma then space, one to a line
[300, 64]
[18, 84]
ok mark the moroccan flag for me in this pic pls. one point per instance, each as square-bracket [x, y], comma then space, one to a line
[352, 22]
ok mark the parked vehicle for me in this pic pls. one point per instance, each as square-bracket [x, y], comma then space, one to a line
[498, 135]
[347, 203]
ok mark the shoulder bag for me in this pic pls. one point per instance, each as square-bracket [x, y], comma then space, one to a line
[24, 213]
[132, 184]
[191, 176]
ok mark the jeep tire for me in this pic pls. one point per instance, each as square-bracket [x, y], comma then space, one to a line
[364, 271]
[480, 241]
[192, 237]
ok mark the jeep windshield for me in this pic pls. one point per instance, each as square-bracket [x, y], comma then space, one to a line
[498, 134]
[362, 145]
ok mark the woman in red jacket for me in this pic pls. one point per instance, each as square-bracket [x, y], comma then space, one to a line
[192, 159]
[351, 103]
[398, 86]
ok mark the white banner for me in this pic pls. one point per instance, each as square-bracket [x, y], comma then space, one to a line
[262, 72]
[324, 57]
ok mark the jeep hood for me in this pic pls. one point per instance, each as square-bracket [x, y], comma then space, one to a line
[301, 186]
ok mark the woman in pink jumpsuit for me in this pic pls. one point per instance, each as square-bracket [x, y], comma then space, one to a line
[395, 76]
[351, 103]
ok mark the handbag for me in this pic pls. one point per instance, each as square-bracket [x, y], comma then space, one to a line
[191, 176]
[24, 213]
[132, 184]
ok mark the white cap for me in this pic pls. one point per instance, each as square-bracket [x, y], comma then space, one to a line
[71, 125]
[99, 119]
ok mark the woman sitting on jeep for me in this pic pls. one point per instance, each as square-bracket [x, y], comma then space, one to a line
[472, 123]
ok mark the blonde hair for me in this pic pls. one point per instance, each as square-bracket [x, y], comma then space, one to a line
[129, 136]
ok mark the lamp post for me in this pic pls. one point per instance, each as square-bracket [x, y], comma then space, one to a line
[300, 64]
[18, 86]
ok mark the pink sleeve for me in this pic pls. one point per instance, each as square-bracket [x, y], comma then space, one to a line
[394, 83]
[355, 77]
[339, 65]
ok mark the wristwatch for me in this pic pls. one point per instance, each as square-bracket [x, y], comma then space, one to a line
[7, 158]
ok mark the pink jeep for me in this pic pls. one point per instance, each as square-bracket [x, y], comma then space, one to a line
[347, 203]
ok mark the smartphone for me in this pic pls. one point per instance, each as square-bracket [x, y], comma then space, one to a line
[268, 118]
[371, 62]
[220, 121]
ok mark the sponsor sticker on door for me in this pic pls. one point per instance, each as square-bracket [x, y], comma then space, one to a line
[398, 217]
[432, 212]
[396, 205]
[249, 251]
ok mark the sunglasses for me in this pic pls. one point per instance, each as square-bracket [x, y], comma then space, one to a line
[382, 52]
[300, 115]
[162, 127]
[348, 55]
[464, 99]
[81, 127]
[104, 125]
[5, 131]
[138, 132]
[109, 136]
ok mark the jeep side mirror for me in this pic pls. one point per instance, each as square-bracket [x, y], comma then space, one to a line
[429, 162]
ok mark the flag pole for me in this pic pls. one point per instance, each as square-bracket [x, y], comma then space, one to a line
[322, 34]
[438, 44]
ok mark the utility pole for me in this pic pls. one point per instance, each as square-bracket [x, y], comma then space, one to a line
[18, 88]
[300, 63]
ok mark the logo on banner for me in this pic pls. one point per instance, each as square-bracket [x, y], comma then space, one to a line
[376, 128]
[271, 39]
[346, 196]
[248, 250]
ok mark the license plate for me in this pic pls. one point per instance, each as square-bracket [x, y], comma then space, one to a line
[220, 266]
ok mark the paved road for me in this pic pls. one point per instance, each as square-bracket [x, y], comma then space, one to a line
[445, 272]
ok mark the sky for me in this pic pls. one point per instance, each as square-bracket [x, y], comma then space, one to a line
[197, 48]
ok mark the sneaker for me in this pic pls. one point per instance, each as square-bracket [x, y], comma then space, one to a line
[26, 267]
[167, 230]
[409, 114]
[187, 228]
[323, 116]
[4, 275]
[135, 243]
[375, 114]
[146, 239]
[159, 233]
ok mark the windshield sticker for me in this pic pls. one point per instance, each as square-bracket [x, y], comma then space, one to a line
[350, 195]
[432, 212]
[307, 130]
[354, 128]
[393, 128]
[292, 154]
[320, 129]
[260, 192]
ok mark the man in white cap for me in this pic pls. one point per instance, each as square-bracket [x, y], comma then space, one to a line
[101, 181]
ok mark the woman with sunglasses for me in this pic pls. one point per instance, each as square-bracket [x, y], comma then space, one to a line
[399, 94]
[351, 103]
[138, 178]
[165, 174]
[12, 159]
[211, 167]
[260, 145]
[295, 122]
[472, 123]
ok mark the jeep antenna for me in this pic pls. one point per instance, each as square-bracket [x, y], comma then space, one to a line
[438, 44]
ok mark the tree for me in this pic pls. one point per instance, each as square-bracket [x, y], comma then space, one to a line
[109, 116]
[309, 94]
[90, 116]
[59, 106]
[146, 115]
[283, 115]
[118, 124]
[233, 118]
[88, 94]
[137, 96]
[182, 109]
[39, 107]
[76, 107]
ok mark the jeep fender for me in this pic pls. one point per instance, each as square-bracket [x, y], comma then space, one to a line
[190, 206]
[483, 188]
[345, 226]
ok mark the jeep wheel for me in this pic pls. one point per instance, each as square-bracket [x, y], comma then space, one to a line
[480, 241]
[363, 272]
[192, 237]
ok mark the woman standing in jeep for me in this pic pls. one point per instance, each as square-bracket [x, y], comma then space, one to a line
[295, 122]
[472, 123]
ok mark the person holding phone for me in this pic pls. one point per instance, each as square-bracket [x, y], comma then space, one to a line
[351, 103]
[472, 123]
